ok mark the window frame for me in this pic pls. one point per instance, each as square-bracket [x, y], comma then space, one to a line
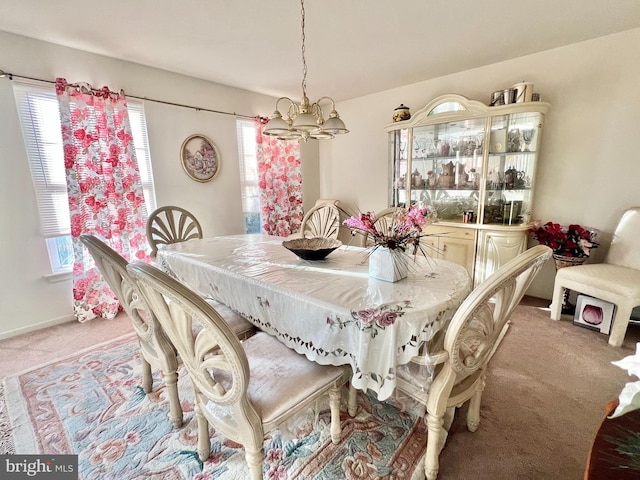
[248, 164]
[42, 136]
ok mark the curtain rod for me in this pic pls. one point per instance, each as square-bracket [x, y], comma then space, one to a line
[197, 109]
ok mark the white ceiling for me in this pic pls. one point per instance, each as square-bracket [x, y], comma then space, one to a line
[353, 47]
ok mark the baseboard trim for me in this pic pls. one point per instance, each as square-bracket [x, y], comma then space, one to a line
[36, 326]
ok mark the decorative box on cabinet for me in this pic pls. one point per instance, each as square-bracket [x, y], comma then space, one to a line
[476, 166]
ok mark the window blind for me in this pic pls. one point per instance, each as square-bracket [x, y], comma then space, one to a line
[248, 166]
[39, 115]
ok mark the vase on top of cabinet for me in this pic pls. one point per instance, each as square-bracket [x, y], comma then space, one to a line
[484, 161]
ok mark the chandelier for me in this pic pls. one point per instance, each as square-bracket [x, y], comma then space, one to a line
[305, 120]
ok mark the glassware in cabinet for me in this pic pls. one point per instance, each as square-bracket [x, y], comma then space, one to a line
[511, 168]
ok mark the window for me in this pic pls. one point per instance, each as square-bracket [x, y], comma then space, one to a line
[249, 176]
[40, 120]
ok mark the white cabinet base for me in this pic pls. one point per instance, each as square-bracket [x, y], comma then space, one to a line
[495, 248]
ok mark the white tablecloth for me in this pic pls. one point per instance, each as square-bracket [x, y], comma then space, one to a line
[328, 310]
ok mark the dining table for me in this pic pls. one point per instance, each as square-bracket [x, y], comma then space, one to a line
[329, 310]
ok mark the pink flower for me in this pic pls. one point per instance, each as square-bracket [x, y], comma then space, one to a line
[387, 318]
[368, 316]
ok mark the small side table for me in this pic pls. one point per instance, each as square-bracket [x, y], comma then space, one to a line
[563, 261]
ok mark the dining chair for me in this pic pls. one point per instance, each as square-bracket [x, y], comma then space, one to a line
[171, 224]
[456, 359]
[156, 349]
[243, 390]
[383, 221]
[322, 220]
[615, 280]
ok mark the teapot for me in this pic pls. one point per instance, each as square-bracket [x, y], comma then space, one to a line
[514, 178]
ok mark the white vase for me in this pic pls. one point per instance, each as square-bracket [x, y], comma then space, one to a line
[388, 265]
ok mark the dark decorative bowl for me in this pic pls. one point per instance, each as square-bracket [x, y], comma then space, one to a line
[312, 248]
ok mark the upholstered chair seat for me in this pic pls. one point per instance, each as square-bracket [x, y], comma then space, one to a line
[239, 325]
[281, 380]
[615, 279]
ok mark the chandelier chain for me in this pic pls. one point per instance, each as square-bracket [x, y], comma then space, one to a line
[304, 120]
[304, 61]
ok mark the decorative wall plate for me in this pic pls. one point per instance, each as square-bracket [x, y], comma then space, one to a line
[200, 158]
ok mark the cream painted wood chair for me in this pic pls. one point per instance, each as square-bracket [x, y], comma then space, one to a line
[383, 221]
[171, 224]
[616, 280]
[461, 352]
[243, 390]
[323, 220]
[155, 348]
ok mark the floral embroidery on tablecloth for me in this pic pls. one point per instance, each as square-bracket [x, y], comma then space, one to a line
[372, 319]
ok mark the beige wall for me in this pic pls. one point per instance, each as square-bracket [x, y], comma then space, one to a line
[589, 163]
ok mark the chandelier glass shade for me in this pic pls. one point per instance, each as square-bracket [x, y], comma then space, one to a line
[304, 120]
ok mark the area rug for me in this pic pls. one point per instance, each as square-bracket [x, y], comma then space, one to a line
[91, 404]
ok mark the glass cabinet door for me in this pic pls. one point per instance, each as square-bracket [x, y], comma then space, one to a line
[398, 141]
[446, 167]
[473, 163]
[513, 146]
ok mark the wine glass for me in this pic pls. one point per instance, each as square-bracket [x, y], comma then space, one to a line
[527, 137]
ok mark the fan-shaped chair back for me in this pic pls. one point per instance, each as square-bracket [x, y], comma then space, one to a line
[468, 344]
[171, 224]
[383, 222]
[239, 406]
[155, 348]
[322, 220]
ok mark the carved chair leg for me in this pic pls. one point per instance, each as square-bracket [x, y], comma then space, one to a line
[435, 441]
[175, 409]
[147, 376]
[473, 413]
[352, 402]
[254, 458]
[204, 442]
[334, 404]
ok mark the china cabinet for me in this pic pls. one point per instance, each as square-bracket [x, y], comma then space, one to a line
[476, 165]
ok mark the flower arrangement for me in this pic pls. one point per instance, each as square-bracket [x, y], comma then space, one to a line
[571, 241]
[403, 231]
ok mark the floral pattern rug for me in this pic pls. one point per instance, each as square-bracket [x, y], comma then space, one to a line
[92, 404]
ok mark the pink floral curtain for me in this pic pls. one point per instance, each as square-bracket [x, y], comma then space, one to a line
[105, 192]
[280, 183]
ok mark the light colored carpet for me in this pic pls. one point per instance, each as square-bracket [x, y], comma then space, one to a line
[544, 400]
